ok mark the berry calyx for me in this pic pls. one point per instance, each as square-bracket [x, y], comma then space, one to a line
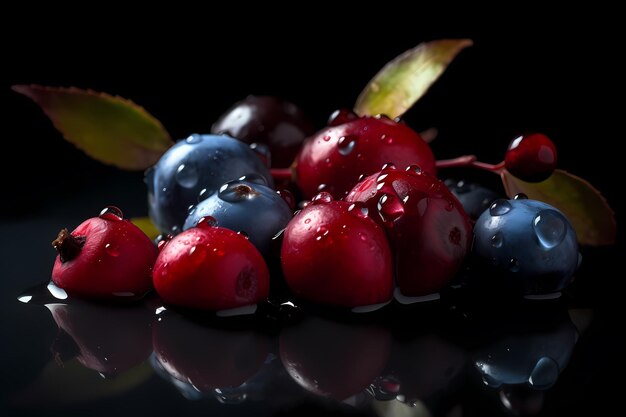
[104, 257]
[333, 159]
[210, 268]
[531, 157]
[332, 253]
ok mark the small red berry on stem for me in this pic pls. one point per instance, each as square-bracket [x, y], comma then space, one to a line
[531, 157]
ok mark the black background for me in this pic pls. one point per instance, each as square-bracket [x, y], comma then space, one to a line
[527, 71]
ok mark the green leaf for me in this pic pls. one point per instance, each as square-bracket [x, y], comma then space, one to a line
[584, 206]
[108, 128]
[146, 226]
[407, 78]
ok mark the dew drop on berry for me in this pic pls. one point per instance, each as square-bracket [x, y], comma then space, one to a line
[111, 213]
[112, 249]
[191, 209]
[186, 175]
[414, 169]
[263, 152]
[326, 138]
[321, 187]
[500, 207]
[341, 116]
[358, 209]
[390, 208]
[193, 139]
[235, 191]
[346, 144]
[497, 240]
[550, 228]
[206, 222]
[513, 265]
[520, 196]
[254, 178]
[322, 198]
[381, 178]
[203, 195]
[544, 374]
[244, 234]
[388, 165]
[288, 198]
[307, 221]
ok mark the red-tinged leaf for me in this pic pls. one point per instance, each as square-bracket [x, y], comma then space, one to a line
[584, 206]
[407, 77]
[108, 128]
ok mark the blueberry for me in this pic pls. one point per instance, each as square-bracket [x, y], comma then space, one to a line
[474, 198]
[531, 244]
[246, 205]
[197, 165]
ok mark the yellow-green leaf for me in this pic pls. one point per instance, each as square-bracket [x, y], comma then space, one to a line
[407, 78]
[584, 206]
[146, 226]
[108, 128]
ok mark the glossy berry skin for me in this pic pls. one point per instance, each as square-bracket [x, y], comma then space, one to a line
[426, 225]
[332, 253]
[248, 207]
[530, 244]
[276, 123]
[474, 197]
[210, 268]
[334, 158]
[531, 157]
[114, 260]
[197, 165]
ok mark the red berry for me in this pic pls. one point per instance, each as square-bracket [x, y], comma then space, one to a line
[332, 253]
[531, 157]
[212, 268]
[333, 359]
[427, 227]
[206, 357]
[104, 257]
[335, 158]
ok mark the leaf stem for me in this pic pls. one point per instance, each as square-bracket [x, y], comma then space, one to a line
[470, 161]
[281, 173]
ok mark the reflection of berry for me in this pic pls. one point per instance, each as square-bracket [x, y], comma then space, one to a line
[332, 253]
[104, 257]
[196, 166]
[531, 242]
[246, 205]
[427, 226]
[531, 157]
[267, 121]
[334, 158]
[211, 268]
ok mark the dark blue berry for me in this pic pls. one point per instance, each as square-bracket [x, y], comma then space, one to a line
[474, 198]
[530, 244]
[196, 166]
[248, 206]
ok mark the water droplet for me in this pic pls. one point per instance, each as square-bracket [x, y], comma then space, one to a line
[195, 138]
[244, 234]
[520, 196]
[497, 240]
[307, 221]
[550, 228]
[322, 198]
[263, 152]
[415, 169]
[346, 144]
[186, 175]
[203, 195]
[326, 138]
[500, 207]
[390, 208]
[288, 198]
[381, 177]
[321, 187]
[359, 209]
[112, 249]
[328, 162]
[382, 116]
[111, 213]
[236, 191]
[513, 265]
[544, 374]
[322, 236]
[388, 165]
[175, 230]
[191, 209]
[192, 250]
[206, 222]
[254, 178]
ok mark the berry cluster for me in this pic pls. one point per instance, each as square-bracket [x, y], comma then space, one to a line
[374, 222]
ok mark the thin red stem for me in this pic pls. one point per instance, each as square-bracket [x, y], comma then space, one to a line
[281, 173]
[470, 161]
